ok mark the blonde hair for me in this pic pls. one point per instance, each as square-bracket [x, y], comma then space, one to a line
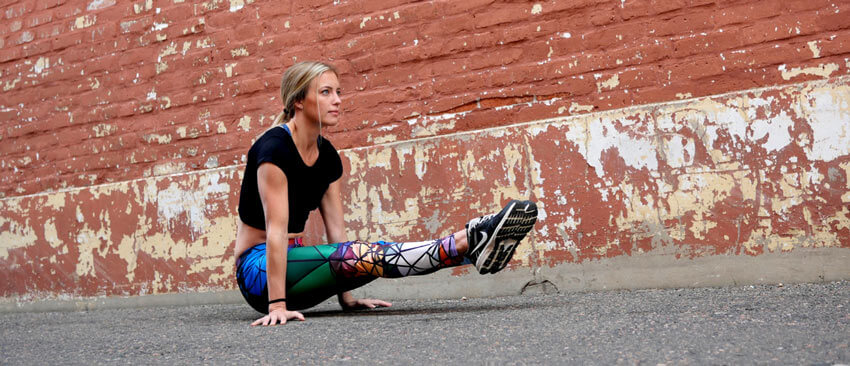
[296, 80]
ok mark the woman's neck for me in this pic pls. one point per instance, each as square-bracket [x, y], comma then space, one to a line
[304, 134]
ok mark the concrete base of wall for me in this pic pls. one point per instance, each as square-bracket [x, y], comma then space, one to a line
[650, 270]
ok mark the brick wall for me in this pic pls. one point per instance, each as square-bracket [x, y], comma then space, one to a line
[104, 91]
[128, 93]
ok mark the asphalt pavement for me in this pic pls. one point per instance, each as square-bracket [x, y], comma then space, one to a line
[791, 324]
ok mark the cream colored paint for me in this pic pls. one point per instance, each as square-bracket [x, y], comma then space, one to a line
[51, 235]
[41, 64]
[9, 85]
[15, 237]
[823, 71]
[420, 160]
[104, 129]
[127, 250]
[846, 166]
[208, 253]
[401, 151]
[602, 134]
[827, 109]
[244, 123]
[84, 21]
[679, 151]
[813, 46]
[168, 168]
[170, 49]
[841, 219]
[470, 168]
[90, 241]
[55, 201]
[157, 138]
[357, 210]
[161, 67]
[142, 7]
[431, 127]
[511, 189]
[697, 194]
[607, 84]
[236, 5]
[239, 52]
[577, 108]
[536, 175]
[382, 139]
[380, 157]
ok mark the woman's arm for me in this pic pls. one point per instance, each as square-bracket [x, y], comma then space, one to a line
[331, 209]
[273, 188]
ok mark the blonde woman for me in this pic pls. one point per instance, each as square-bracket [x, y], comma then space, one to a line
[292, 170]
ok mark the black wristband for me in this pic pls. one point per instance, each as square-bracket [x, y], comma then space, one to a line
[282, 299]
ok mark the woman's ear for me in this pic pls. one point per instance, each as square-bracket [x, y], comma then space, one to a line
[298, 105]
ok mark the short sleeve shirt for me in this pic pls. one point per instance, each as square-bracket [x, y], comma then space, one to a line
[306, 184]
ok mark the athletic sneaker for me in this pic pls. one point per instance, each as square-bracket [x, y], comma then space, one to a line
[494, 238]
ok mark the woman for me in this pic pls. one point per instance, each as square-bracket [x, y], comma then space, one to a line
[292, 170]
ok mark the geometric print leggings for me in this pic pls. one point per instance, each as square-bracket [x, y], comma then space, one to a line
[315, 273]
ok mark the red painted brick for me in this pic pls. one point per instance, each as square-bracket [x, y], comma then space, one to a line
[386, 77]
[501, 14]
[36, 48]
[48, 4]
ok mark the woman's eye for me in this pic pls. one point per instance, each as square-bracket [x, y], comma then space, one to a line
[325, 92]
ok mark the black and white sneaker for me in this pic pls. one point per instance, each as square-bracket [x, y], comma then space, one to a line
[494, 238]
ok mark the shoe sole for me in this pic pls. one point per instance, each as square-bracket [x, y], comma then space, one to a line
[515, 225]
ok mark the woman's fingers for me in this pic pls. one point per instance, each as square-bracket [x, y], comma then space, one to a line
[260, 321]
[373, 303]
[278, 317]
[382, 303]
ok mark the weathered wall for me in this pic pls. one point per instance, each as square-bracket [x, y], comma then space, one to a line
[687, 131]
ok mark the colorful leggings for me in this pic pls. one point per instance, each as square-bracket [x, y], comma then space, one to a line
[315, 273]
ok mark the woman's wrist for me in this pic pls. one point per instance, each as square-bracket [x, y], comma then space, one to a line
[277, 305]
[282, 299]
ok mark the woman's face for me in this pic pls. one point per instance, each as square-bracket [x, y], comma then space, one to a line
[323, 99]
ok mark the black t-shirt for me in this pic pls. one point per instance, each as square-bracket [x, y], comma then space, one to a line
[307, 184]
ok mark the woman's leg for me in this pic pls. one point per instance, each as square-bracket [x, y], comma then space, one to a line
[316, 273]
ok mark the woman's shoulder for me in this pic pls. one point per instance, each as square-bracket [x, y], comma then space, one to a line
[326, 144]
[274, 139]
[328, 149]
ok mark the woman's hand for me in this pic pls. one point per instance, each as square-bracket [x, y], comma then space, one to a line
[278, 315]
[356, 304]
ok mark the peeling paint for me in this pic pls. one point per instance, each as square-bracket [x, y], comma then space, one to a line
[244, 123]
[159, 139]
[748, 173]
[104, 129]
[237, 52]
[142, 7]
[823, 71]
[84, 21]
[41, 64]
[813, 46]
[828, 110]
[609, 84]
[236, 5]
[99, 4]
